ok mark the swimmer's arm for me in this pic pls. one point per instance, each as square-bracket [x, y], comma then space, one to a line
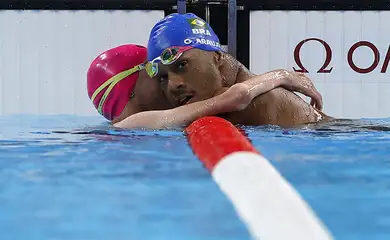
[265, 82]
[234, 99]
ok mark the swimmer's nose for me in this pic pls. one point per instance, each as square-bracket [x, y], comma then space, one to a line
[176, 85]
[176, 88]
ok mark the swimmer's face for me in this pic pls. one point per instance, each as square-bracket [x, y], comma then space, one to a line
[147, 96]
[193, 77]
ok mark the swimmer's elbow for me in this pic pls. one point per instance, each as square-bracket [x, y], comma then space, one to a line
[148, 119]
[133, 121]
[123, 124]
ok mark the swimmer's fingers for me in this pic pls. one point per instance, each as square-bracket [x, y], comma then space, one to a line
[316, 99]
[311, 91]
[298, 82]
[312, 102]
[315, 104]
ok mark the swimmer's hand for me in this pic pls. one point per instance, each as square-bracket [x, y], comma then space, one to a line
[298, 82]
[268, 81]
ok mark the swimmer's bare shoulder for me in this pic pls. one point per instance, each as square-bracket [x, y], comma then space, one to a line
[278, 107]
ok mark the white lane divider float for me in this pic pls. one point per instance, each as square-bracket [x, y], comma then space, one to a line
[269, 206]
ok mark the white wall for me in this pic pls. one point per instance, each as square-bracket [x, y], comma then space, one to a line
[275, 34]
[44, 55]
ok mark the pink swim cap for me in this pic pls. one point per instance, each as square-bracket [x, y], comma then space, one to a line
[111, 70]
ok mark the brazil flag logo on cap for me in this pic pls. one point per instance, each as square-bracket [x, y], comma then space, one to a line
[197, 23]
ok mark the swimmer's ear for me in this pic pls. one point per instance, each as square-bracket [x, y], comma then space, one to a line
[218, 58]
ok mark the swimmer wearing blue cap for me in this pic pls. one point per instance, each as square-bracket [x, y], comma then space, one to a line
[186, 58]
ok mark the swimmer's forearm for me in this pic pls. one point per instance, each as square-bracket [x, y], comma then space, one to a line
[180, 116]
[264, 82]
[148, 119]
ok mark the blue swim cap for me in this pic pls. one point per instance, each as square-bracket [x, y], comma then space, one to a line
[179, 30]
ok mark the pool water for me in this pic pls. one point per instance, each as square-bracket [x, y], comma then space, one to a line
[71, 177]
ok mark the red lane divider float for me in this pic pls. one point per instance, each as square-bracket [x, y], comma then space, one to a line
[268, 205]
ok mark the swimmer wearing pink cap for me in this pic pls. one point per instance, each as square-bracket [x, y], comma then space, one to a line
[123, 93]
[112, 77]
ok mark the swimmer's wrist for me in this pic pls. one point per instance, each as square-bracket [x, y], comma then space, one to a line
[282, 78]
[283, 74]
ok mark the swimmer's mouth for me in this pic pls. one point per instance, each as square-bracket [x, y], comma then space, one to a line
[185, 100]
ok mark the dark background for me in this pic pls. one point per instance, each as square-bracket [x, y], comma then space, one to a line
[218, 12]
[163, 4]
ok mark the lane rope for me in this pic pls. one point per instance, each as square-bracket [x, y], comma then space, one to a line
[268, 204]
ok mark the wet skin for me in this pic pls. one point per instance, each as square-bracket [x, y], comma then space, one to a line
[198, 75]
